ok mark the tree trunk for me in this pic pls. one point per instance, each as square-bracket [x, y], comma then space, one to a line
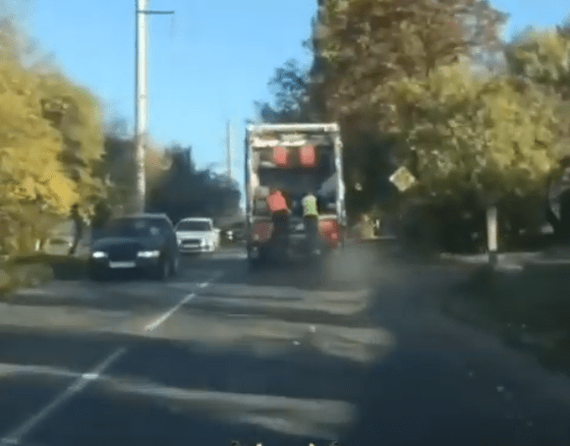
[492, 236]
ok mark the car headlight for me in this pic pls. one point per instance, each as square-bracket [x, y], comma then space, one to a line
[148, 254]
[99, 255]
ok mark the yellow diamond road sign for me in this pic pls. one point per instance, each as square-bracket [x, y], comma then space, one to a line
[403, 179]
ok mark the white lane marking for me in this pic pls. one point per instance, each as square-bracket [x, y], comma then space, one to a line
[77, 386]
[311, 417]
[317, 418]
[90, 376]
[155, 324]
[34, 292]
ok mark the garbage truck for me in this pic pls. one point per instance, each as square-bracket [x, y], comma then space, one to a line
[294, 159]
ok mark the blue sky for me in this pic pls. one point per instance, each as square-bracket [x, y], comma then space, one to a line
[207, 65]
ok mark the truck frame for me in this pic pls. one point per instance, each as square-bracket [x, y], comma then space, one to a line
[262, 174]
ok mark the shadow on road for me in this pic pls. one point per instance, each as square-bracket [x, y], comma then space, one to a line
[353, 268]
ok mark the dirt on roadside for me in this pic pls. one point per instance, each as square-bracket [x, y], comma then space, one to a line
[528, 309]
[37, 270]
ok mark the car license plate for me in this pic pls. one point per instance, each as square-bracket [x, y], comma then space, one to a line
[122, 264]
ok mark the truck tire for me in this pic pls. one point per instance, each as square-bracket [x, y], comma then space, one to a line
[255, 263]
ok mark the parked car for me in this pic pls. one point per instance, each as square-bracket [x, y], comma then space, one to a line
[145, 242]
[197, 235]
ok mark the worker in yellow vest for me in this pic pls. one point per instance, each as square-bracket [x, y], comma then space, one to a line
[311, 218]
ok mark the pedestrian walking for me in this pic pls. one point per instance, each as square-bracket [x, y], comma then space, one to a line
[78, 228]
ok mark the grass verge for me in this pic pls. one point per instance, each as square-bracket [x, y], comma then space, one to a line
[529, 310]
[36, 270]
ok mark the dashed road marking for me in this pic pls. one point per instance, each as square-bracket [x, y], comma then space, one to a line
[159, 321]
[15, 437]
[78, 385]
[316, 417]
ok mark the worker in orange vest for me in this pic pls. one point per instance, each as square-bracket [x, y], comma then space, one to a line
[279, 207]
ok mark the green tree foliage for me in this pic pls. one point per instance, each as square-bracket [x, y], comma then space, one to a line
[366, 43]
[173, 184]
[50, 136]
[544, 57]
[404, 78]
[478, 141]
[359, 47]
[289, 88]
[363, 45]
[493, 137]
[118, 169]
[185, 191]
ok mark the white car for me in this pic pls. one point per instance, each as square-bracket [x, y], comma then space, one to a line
[197, 235]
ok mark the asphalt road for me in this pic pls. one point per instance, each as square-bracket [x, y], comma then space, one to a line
[276, 357]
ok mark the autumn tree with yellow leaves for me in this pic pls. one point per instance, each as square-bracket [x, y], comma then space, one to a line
[50, 136]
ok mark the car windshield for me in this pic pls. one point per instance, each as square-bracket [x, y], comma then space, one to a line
[193, 226]
[131, 227]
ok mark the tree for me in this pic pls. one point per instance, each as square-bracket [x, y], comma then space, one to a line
[482, 141]
[50, 135]
[493, 135]
[543, 57]
[117, 169]
[185, 191]
[359, 47]
[289, 87]
[366, 43]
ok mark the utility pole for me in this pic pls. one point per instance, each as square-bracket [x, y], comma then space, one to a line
[229, 148]
[141, 93]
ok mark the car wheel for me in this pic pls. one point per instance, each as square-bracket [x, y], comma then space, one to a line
[175, 266]
[163, 269]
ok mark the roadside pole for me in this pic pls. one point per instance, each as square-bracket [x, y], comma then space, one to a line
[141, 93]
[492, 231]
[229, 148]
[141, 103]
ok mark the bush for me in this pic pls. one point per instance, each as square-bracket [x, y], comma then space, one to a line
[24, 273]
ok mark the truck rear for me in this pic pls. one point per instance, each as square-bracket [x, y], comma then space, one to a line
[294, 159]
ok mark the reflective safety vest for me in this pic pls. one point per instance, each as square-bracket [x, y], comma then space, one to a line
[277, 202]
[310, 206]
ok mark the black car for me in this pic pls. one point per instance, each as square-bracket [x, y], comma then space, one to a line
[144, 242]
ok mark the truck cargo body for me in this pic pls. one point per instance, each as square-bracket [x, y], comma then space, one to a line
[295, 159]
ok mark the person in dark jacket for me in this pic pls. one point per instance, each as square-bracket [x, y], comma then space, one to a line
[101, 216]
[78, 228]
